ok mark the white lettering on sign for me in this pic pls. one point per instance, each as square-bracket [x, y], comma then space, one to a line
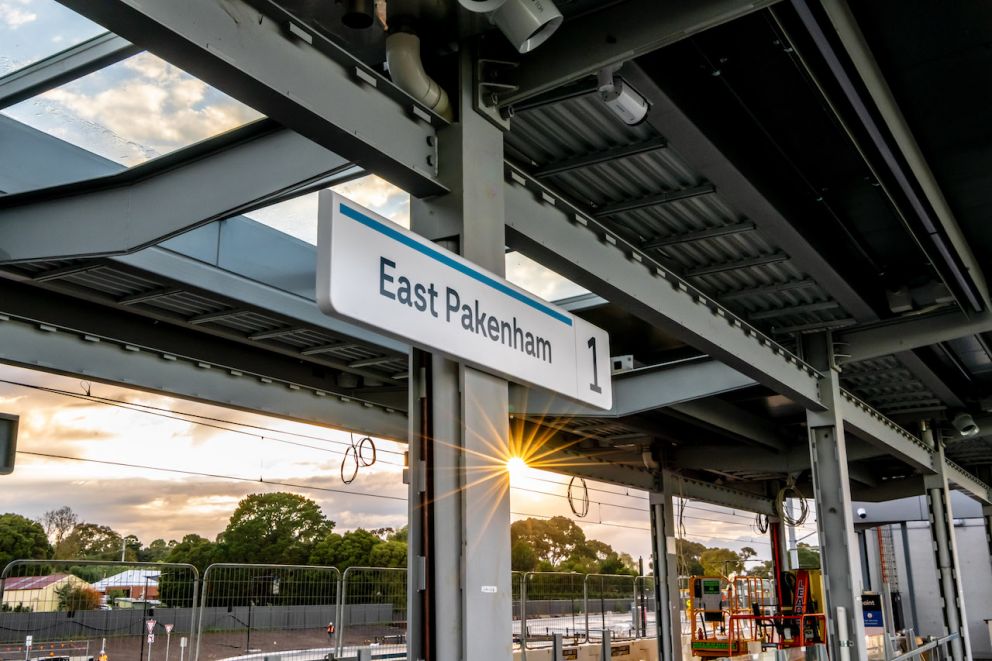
[379, 275]
[489, 589]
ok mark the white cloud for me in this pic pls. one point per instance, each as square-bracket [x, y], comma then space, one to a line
[155, 105]
[14, 17]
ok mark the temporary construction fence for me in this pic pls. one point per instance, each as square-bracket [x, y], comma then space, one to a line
[77, 608]
[257, 608]
[373, 610]
[610, 605]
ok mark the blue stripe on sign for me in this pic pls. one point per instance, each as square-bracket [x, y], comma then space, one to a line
[371, 223]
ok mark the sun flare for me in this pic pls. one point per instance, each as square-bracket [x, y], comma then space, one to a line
[516, 467]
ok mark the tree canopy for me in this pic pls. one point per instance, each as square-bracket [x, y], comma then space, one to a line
[22, 539]
[558, 544]
[277, 527]
[90, 541]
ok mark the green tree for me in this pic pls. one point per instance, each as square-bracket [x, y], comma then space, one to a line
[809, 557]
[762, 570]
[388, 554]
[194, 550]
[278, 528]
[720, 562]
[522, 556]
[352, 549]
[133, 546]
[400, 535]
[89, 541]
[157, 551]
[688, 554]
[553, 540]
[22, 539]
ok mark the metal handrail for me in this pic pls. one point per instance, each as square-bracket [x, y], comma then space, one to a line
[929, 646]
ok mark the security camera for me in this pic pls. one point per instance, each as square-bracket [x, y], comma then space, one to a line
[965, 425]
[624, 101]
[862, 513]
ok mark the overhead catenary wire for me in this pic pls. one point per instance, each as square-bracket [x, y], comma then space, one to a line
[365, 454]
[790, 490]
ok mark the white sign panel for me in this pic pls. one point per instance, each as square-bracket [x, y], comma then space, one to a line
[379, 275]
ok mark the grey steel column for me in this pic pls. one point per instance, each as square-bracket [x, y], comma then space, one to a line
[910, 585]
[835, 526]
[468, 521]
[945, 549]
[987, 517]
[668, 616]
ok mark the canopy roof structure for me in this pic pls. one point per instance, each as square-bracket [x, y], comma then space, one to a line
[757, 188]
[803, 168]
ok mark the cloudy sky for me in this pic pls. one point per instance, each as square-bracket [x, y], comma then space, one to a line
[134, 111]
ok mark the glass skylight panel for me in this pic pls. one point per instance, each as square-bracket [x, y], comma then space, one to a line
[31, 30]
[133, 111]
[298, 218]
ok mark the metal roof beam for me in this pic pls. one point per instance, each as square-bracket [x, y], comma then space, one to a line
[884, 338]
[733, 419]
[638, 391]
[686, 487]
[656, 200]
[272, 290]
[147, 204]
[698, 235]
[597, 157]
[968, 482]
[804, 308]
[879, 430]
[588, 43]
[259, 54]
[547, 228]
[39, 330]
[63, 67]
[775, 288]
[737, 191]
[747, 263]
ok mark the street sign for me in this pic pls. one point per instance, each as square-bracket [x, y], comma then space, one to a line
[168, 627]
[28, 641]
[377, 274]
[183, 641]
[150, 625]
[151, 638]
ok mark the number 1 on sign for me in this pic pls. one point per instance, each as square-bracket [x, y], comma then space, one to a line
[594, 386]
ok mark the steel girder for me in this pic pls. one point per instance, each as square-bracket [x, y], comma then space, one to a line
[65, 66]
[258, 53]
[637, 391]
[149, 203]
[586, 44]
[550, 230]
[884, 338]
[276, 388]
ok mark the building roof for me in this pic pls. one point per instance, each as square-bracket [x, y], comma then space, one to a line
[129, 578]
[32, 582]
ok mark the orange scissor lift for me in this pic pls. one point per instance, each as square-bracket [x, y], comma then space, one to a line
[732, 616]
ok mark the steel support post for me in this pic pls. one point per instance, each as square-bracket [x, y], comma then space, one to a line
[666, 576]
[835, 527]
[910, 583]
[462, 526]
[987, 517]
[945, 550]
